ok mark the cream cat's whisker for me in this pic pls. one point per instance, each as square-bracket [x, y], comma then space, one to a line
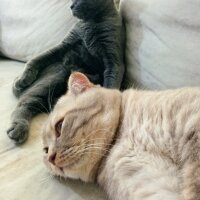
[83, 150]
[87, 147]
[46, 179]
[100, 143]
[96, 145]
[86, 152]
[49, 102]
[52, 96]
[96, 140]
[92, 148]
[36, 109]
[97, 131]
[93, 132]
[93, 153]
[43, 107]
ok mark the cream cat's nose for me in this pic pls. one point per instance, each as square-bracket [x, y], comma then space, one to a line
[52, 158]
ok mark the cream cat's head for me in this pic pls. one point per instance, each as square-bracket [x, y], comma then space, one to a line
[81, 129]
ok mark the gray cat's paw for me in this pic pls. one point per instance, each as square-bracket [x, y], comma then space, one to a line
[18, 131]
[23, 82]
[16, 89]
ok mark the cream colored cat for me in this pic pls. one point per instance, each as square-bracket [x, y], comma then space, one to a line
[137, 145]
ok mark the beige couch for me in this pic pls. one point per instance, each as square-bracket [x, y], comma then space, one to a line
[163, 42]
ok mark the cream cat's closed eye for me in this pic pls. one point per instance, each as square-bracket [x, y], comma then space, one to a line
[142, 145]
[58, 128]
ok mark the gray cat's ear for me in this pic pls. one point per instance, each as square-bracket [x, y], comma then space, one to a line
[78, 83]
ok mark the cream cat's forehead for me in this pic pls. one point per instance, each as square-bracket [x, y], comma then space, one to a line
[82, 99]
[64, 101]
[70, 102]
[63, 105]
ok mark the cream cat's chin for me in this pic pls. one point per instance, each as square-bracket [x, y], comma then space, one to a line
[136, 144]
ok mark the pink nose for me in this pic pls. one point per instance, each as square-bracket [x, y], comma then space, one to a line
[52, 158]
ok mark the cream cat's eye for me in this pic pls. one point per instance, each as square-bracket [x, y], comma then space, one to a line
[58, 128]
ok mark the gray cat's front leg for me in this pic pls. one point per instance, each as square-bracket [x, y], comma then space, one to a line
[28, 107]
[113, 75]
[19, 128]
[40, 98]
[35, 66]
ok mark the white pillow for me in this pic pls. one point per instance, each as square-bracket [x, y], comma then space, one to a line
[163, 42]
[29, 27]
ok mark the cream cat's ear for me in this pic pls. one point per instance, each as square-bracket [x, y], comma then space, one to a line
[78, 83]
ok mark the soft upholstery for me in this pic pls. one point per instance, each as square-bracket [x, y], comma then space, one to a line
[29, 27]
[163, 42]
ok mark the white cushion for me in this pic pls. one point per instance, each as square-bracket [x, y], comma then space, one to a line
[29, 27]
[163, 42]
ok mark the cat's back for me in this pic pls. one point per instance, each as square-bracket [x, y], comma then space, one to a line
[153, 101]
[154, 132]
[161, 105]
[159, 119]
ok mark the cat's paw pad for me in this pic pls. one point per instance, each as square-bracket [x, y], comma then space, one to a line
[18, 131]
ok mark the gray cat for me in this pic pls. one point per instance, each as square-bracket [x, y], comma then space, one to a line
[94, 47]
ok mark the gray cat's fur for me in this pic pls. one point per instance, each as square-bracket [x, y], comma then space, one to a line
[94, 47]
